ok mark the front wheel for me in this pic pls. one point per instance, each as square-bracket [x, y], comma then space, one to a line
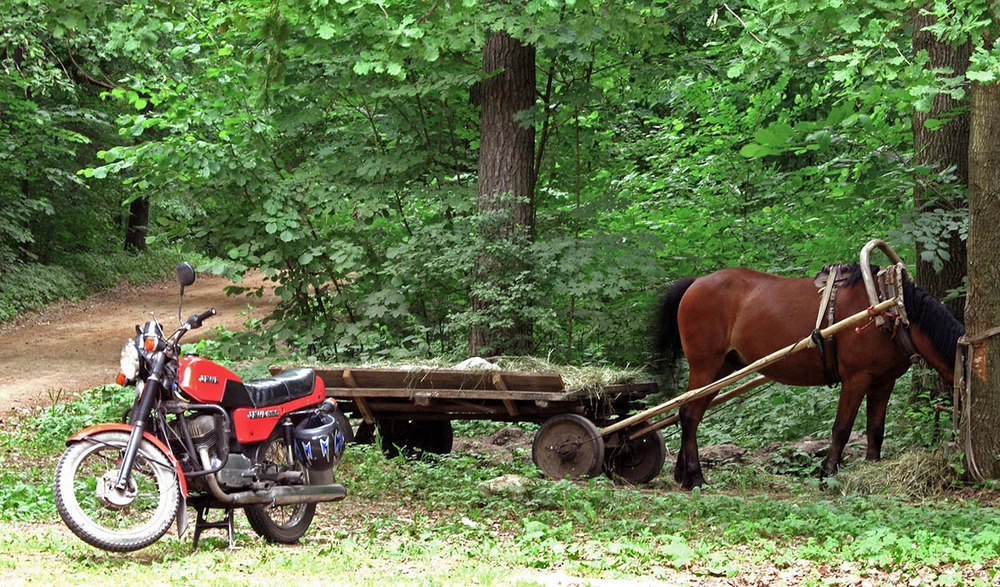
[284, 524]
[102, 515]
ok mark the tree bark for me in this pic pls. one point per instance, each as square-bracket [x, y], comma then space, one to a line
[980, 423]
[506, 185]
[938, 150]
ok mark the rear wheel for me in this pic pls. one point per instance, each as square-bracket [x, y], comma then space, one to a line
[119, 520]
[284, 524]
[568, 446]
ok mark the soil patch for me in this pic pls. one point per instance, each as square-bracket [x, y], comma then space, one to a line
[67, 348]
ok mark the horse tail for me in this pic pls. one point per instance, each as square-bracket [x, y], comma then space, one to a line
[668, 338]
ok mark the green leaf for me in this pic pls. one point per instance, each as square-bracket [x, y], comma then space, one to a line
[754, 150]
[982, 76]
[775, 135]
[431, 52]
[326, 31]
[363, 67]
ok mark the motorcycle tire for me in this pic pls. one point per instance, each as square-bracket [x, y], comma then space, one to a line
[110, 520]
[283, 524]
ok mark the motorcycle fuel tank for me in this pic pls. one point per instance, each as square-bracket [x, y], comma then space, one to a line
[206, 381]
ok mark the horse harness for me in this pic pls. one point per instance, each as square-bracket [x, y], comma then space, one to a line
[828, 280]
[890, 285]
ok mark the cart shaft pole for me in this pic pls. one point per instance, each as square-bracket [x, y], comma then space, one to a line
[722, 398]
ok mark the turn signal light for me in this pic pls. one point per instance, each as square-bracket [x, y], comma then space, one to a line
[120, 379]
[150, 344]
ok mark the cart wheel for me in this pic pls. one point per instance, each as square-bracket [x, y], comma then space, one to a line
[568, 446]
[635, 461]
[416, 437]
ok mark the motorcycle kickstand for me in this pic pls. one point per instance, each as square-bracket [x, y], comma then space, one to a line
[204, 524]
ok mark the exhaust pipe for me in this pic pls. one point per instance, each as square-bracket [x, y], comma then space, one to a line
[287, 494]
[280, 495]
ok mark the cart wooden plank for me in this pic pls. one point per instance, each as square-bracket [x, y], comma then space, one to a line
[414, 393]
[450, 393]
[368, 378]
[575, 395]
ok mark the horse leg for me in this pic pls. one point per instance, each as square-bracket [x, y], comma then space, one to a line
[876, 404]
[688, 469]
[851, 394]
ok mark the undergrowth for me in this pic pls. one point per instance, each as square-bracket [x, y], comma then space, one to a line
[31, 286]
[432, 514]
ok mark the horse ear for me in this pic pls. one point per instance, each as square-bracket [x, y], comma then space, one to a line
[843, 275]
[820, 280]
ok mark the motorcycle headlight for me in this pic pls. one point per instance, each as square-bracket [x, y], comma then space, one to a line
[129, 361]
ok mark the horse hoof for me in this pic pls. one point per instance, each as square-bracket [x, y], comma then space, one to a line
[691, 482]
[827, 480]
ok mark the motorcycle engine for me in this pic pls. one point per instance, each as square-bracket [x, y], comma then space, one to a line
[203, 433]
[207, 433]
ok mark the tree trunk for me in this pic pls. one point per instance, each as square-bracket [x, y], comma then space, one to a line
[980, 424]
[505, 192]
[938, 150]
[138, 221]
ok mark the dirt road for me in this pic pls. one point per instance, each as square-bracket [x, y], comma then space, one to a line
[71, 347]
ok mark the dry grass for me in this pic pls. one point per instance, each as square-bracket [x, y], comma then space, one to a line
[914, 474]
[575, 377]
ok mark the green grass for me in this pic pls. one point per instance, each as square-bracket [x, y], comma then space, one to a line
[426, 522]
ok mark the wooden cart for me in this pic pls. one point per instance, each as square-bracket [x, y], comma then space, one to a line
[412, 409]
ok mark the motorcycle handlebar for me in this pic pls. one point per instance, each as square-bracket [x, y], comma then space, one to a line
[196, 320]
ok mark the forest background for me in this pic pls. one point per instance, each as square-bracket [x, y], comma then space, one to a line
[343, 148]
[338, 146]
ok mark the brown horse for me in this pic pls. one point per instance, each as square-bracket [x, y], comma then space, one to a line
[730, 318]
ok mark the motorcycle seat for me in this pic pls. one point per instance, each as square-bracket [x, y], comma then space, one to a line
[281, 388]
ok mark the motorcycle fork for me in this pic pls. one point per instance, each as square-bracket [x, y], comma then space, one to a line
[149, 394]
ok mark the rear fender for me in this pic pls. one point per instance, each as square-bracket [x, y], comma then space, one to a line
[127, 428]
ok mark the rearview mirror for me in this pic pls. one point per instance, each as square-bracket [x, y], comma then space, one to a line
[185, 274]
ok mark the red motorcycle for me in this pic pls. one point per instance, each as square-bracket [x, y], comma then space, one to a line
[197, 435]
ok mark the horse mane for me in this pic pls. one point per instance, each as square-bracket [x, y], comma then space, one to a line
[935, 319]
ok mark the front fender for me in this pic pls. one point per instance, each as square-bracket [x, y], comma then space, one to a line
[123, 427]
